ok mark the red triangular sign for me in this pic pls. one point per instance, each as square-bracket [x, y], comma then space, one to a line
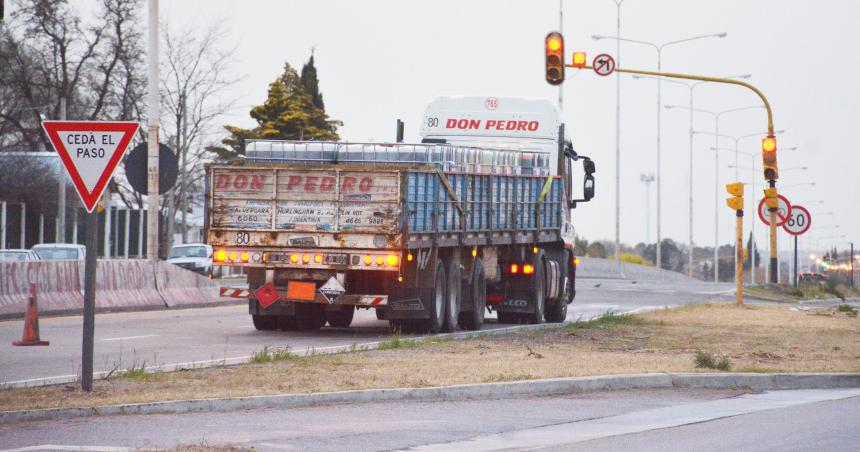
[90, 151]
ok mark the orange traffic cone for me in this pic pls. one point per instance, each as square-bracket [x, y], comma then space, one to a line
[31, 323]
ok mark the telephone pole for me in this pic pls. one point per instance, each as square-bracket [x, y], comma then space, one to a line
[153, 114]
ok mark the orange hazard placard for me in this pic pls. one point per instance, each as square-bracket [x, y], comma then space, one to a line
[298, 290]
[266, 295]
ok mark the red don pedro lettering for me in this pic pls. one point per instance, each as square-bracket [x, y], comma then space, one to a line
[240, 182]
[492, 124]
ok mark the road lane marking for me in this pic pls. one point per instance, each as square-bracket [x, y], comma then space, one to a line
[128, 337]
[642, 421]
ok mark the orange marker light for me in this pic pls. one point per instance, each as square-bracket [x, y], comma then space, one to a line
[368, 260]
[318, 258]
[220, 256]
[306, 258]
[294, 258]
[474, 252]
[409, 257]
[245, 256]
[380, 260]
[392, 260]
[515, 268]
[575, 261]
[232, 255]
[528, 269]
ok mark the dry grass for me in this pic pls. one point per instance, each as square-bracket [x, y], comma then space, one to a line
[753, 339]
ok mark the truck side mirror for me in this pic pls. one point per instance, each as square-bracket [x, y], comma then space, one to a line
[588, 166]
[588, 187]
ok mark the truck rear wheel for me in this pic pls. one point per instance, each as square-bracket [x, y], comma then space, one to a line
[264, 322]
[474, 293]
[310, 316]
[453, 295]
[287, 322]
[342, 317]
[537, 291]
[434, 302]
[556, 311]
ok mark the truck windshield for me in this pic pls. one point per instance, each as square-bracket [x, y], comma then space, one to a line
[187, 251]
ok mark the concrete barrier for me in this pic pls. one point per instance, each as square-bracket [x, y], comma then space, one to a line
[130, 283]
[58, 285]
[180, 287]
[590, 267]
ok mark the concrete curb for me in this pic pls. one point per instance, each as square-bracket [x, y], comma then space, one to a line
[555, 386]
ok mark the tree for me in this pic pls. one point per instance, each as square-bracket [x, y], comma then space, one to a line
[47, 53]
[596, 249]
[196, 72]
[311, 84]
[288, 113]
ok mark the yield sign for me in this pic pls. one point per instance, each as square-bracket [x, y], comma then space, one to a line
[90, 151]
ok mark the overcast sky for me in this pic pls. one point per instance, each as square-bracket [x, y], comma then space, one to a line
[382, 60]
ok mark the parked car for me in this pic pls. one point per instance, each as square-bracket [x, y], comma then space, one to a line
[17, 255]
[811, 278]
[196, 257]
[60, 251]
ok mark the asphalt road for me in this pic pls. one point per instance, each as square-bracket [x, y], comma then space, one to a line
[205, 335]
[659, 420]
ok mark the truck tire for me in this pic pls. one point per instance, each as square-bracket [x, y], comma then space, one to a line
[342, 317]
[380, 313]
[453, 296]
[537, 291]
[264, 322]
[310, 316]
[556, 311]
[474, 295]
[434, 303]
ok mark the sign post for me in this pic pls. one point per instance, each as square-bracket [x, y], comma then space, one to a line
[797, 224]
[90, 151]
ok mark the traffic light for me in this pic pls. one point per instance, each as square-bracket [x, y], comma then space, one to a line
[554, 58]
[735, 189]
[579, 60]
[770, 198]
[768, 155]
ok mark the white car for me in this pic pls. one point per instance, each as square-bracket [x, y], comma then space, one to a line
[60, 251]
[196, 257]
[18, 256]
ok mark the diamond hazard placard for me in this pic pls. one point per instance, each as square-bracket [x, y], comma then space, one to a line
[90, 151]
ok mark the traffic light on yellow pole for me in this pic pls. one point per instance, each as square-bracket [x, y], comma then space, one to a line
[768, 155]
[771, 198]
[735, 189]
[736, 202]
[554, 58]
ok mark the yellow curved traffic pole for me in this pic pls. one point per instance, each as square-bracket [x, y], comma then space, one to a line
[702, 78]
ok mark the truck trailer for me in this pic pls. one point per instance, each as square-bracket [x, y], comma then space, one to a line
[433, 235]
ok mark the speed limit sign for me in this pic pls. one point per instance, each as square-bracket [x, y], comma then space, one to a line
[798, 221]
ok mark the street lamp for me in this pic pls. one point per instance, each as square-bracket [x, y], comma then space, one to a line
[659, 49]
[716, 134]
[617, 136]
[691, 87]
[647, 179]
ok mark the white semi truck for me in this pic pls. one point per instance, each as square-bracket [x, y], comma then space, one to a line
[433, 235]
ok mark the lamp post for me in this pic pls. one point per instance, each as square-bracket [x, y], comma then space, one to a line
[618, 4]
[691, 87]
[659, 49]
[716, 135]
[647, 179]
